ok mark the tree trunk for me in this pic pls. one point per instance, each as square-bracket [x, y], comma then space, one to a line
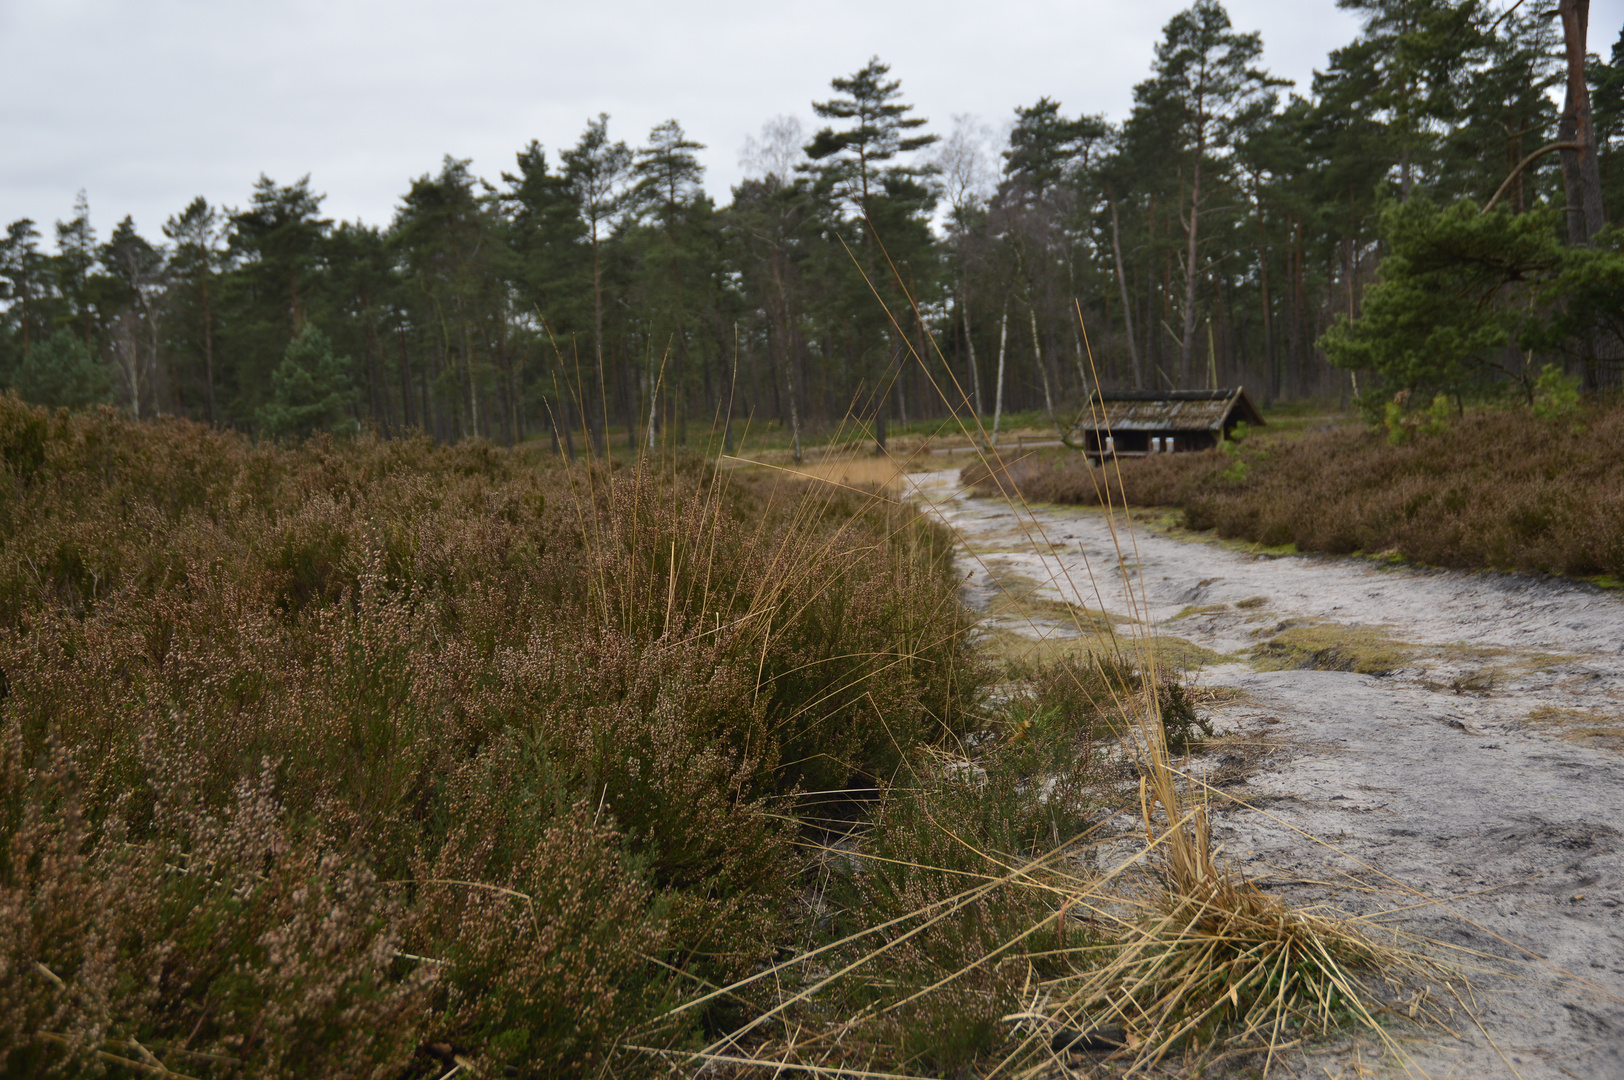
[1187, 345]
[1294, 340]
[794, 413]
[405, 380]
[1268, 319]
[1037, 358]
[970, 347]
[998, 397]
[1581, 170]
[600, 431]
[208, 352]
[1122, 284]
[569, 440]
[468, 369]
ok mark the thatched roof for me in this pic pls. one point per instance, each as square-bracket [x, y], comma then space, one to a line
[1169, 410]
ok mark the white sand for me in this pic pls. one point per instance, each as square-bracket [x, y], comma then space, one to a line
[1506, 834]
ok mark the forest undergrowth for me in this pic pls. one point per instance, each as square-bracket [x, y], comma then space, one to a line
[1494, 488]
[395, 759]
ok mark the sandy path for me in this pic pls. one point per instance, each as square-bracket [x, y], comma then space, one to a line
[1507, 833]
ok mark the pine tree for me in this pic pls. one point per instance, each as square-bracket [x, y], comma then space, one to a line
[60, 372]
[858, 159]
[1045, 147]
[310, 390]
[596, 169]
[22, 281]
[1207, 88]
[1408, 63]
[198, 258]
[74, 268]
[669, 188]
[860, 167]
[136, 277]
[551, 275]
[449, 243]
[276, 246]
[1608, 103]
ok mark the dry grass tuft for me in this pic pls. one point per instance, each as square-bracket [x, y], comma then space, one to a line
[1586, 726]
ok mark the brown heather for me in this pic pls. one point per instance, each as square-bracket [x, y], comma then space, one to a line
[1498, 489]
[349, 759]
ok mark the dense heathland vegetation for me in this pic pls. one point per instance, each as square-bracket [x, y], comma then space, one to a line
[1504, 489]
[280, 723]
[381, 758]
[1215, 234]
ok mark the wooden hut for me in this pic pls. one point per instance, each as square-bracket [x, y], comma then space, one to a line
[1133, 423]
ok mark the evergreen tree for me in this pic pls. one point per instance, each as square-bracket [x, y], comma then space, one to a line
[1207, 88]
[596, 171]
[22, 283]
[858, 159]
[669, 190]
[860, 167]
[552, 276]
[198, 257]
[1408, 63]
[1607, 101]
[1466, 300]
[60, 372]
[74, 270]
[368, 301]
[310, 390]
[449, 242]
[1045, 147]
[136, 277]
[276, 246]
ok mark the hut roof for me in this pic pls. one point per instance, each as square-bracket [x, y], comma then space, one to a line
[1170, 410]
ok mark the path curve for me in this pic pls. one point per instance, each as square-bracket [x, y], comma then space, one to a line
[1478, 773]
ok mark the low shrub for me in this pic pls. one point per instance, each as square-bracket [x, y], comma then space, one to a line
[1513, 489]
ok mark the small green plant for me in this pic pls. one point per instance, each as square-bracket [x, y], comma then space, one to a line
[1230, 446]
[1436, 421]
[1556, 394]
[1182, 727]
[1393, 418]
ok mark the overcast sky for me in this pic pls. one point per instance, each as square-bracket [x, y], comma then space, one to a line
[147, 104]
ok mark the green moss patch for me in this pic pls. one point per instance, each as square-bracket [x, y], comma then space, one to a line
[1316, 646]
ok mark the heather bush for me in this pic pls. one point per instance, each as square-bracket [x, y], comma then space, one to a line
[358, 752]
[1504, 489]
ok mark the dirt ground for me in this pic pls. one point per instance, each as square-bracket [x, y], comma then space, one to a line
[1441, 746]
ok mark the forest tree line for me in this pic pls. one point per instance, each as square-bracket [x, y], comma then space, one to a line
[1428, 215]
